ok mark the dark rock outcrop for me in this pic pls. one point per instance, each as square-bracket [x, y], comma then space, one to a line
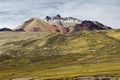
[89, 25]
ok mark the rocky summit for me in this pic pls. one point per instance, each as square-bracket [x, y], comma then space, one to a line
[62, 21]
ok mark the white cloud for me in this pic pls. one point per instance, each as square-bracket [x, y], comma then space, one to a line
[14, 12]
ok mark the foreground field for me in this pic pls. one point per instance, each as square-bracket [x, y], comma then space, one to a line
[58, 56]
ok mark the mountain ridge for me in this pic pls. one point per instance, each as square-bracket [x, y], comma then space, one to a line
[58, 24]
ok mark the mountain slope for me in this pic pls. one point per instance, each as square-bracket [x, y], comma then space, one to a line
[35, 24]
[38, 25]
[58, 56]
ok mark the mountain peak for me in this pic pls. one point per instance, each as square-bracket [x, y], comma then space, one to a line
[33, 19]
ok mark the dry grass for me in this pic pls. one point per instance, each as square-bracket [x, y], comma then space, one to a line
[49, 56]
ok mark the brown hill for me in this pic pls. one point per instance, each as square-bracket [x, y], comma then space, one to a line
[37, 25]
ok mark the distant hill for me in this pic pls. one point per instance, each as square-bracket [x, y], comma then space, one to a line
[6, 29]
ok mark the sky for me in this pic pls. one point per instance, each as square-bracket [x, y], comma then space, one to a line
[14, 12]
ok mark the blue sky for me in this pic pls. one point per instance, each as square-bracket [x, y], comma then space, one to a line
[15, 12]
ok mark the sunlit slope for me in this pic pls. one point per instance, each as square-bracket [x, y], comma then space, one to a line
[58, 55]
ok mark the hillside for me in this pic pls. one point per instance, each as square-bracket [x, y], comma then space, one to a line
[59, 56]
[38, 25]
